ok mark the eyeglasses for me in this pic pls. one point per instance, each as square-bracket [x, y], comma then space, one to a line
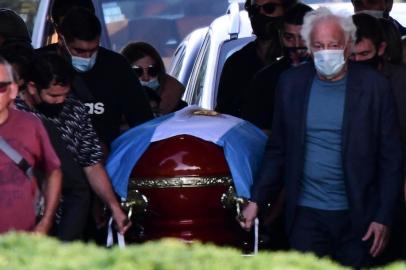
[267, 8]
[4, 86]
[151, 70]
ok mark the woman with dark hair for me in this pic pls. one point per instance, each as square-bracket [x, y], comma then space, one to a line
[149, 67]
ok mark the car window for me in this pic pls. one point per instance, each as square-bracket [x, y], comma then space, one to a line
[199, 69]
[177, 63]
[227, 49]
[27, 9]
[162, 23]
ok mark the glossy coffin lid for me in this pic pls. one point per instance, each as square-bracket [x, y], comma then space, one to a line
[183, 178]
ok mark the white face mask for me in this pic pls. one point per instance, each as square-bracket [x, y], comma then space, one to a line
[374, 13]
[329, 62]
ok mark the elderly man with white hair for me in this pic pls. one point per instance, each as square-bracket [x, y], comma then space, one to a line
[335, 149]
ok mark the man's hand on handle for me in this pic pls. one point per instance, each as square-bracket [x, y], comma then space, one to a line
[249, 214]
[121, 219]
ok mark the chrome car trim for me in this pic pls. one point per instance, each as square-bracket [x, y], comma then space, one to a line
[38, 31]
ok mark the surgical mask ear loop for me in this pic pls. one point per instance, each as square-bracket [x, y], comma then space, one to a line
[65, 45]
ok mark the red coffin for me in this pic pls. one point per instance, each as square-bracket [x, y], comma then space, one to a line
[184, 178]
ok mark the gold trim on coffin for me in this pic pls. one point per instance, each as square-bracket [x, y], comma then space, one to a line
[177, 182]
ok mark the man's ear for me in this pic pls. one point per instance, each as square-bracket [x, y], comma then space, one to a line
[32, 88]
[382, 48]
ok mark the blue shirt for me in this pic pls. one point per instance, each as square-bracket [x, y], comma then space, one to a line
[323, 185]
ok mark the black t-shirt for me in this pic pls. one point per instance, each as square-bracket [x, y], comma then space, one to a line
[110, 90]
[258, 105]
[238, 71]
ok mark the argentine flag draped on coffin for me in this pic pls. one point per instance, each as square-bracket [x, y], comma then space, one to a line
[242, 142]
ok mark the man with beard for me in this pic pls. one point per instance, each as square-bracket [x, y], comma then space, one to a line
[48, 87]
[240, 68]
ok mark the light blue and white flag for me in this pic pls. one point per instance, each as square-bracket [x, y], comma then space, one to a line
[242, 142]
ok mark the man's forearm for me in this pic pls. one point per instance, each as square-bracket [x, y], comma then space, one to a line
[101, 185]
[52, 193]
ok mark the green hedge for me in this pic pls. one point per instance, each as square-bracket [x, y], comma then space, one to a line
[29, 252]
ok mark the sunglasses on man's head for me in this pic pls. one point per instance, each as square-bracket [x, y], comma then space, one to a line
[151, 70]
[4, 86]
[267, 8]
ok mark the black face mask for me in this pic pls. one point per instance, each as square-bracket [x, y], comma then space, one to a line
[372, 62]
[50, 110]
[266, 27]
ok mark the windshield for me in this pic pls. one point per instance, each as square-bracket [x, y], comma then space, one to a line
[162, 23]
[27, 9]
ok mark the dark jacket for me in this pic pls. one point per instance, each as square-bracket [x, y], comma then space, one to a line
[259, 101]
[371, 144]
[236, 76]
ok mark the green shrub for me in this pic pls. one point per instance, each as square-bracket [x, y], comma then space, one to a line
[30, 252]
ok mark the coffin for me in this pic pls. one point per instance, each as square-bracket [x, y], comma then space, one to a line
[184, 178]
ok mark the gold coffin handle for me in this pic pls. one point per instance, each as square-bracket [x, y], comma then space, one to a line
[230, 200]
[136, 203]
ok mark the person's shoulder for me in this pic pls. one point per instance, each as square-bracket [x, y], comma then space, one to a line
[397, 71]
[74, 105]
[300, 72]
[276, 67]
[111, 57]
[23, 115]
[368, 80]
[48, 48]
[25, 118]
[249, 47]
[248, 50]
[20, 104]
[365, 73]
[399, 26]
[173, 82]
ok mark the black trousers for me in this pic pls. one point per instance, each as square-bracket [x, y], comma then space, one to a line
[72, 215]
[329, 233]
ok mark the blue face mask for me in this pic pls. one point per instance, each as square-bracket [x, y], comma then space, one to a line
[153, 83]
[82, 64]
[329, 62]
